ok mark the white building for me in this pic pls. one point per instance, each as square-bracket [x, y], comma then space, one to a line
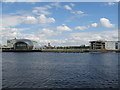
[11, 42]
[112, 45]
[23, 43]
[105, 45]
[36, 46]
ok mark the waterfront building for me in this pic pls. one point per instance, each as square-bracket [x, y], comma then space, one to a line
[36, 46]
[105, 45]
[49, 46]
[112, 45]
[11, 42]
[22, 44]
[4, 47]
[95, 45]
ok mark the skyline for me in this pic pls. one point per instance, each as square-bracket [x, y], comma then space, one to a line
[65, 23]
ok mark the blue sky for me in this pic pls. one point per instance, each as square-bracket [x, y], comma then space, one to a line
[65, 23]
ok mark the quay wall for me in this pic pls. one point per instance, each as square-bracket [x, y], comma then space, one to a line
[62, 50]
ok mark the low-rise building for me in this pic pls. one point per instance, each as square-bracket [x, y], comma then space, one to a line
[22, 44]
[105, 45]
[95, 45]
[112, 45]
[11, 42]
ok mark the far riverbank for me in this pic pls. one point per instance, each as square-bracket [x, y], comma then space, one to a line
[62, 50]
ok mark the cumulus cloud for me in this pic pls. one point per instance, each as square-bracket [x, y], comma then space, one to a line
[81, 27]
[31, 20]
[85, 37]
[106, 23]
[94, 25]
[72, 39]
[44, 20]
[8, 20]
[10, 33]
[63, 28]
[67, 7]
[11, 20]
[40, 36]
[46, 31]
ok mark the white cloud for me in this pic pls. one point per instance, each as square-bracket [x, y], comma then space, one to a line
[77, 12]
[56, 4]
[72, 39]
[40, 36]
[94, 25]
[11, 20]
[81, 27]
[42, 10]
[22, 1]
[46, 31]
[63, 28]
[44, 20]
[71, 4]
[10, 33]
[8, 20]
[110, 3]
[31, 20]
[67, 7]
[85, 37]
[106, 23]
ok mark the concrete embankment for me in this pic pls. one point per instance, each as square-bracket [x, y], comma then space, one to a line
[65, 50]
[62, 50]
[77, 50]
[21, 50]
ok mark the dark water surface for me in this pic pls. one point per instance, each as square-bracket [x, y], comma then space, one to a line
[60, 70]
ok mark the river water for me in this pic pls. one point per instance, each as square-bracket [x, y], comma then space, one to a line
[59, 70]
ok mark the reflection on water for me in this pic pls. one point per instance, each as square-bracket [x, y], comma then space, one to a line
[60, 70]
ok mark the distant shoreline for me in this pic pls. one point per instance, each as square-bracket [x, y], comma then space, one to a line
[63, 50]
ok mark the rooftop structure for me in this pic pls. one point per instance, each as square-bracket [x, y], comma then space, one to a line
[22, 44]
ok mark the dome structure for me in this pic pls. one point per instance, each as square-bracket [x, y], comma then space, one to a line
[23, 44]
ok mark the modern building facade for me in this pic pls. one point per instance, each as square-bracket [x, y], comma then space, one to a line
[22, 44]
[105, 45]
[112, 45]
[95, 45]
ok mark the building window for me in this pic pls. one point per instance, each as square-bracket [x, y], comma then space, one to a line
[116, 45]
[20, 45]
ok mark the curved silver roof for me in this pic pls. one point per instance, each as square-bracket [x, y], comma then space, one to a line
[27, 41]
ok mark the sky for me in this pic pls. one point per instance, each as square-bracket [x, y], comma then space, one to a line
[59, 23]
